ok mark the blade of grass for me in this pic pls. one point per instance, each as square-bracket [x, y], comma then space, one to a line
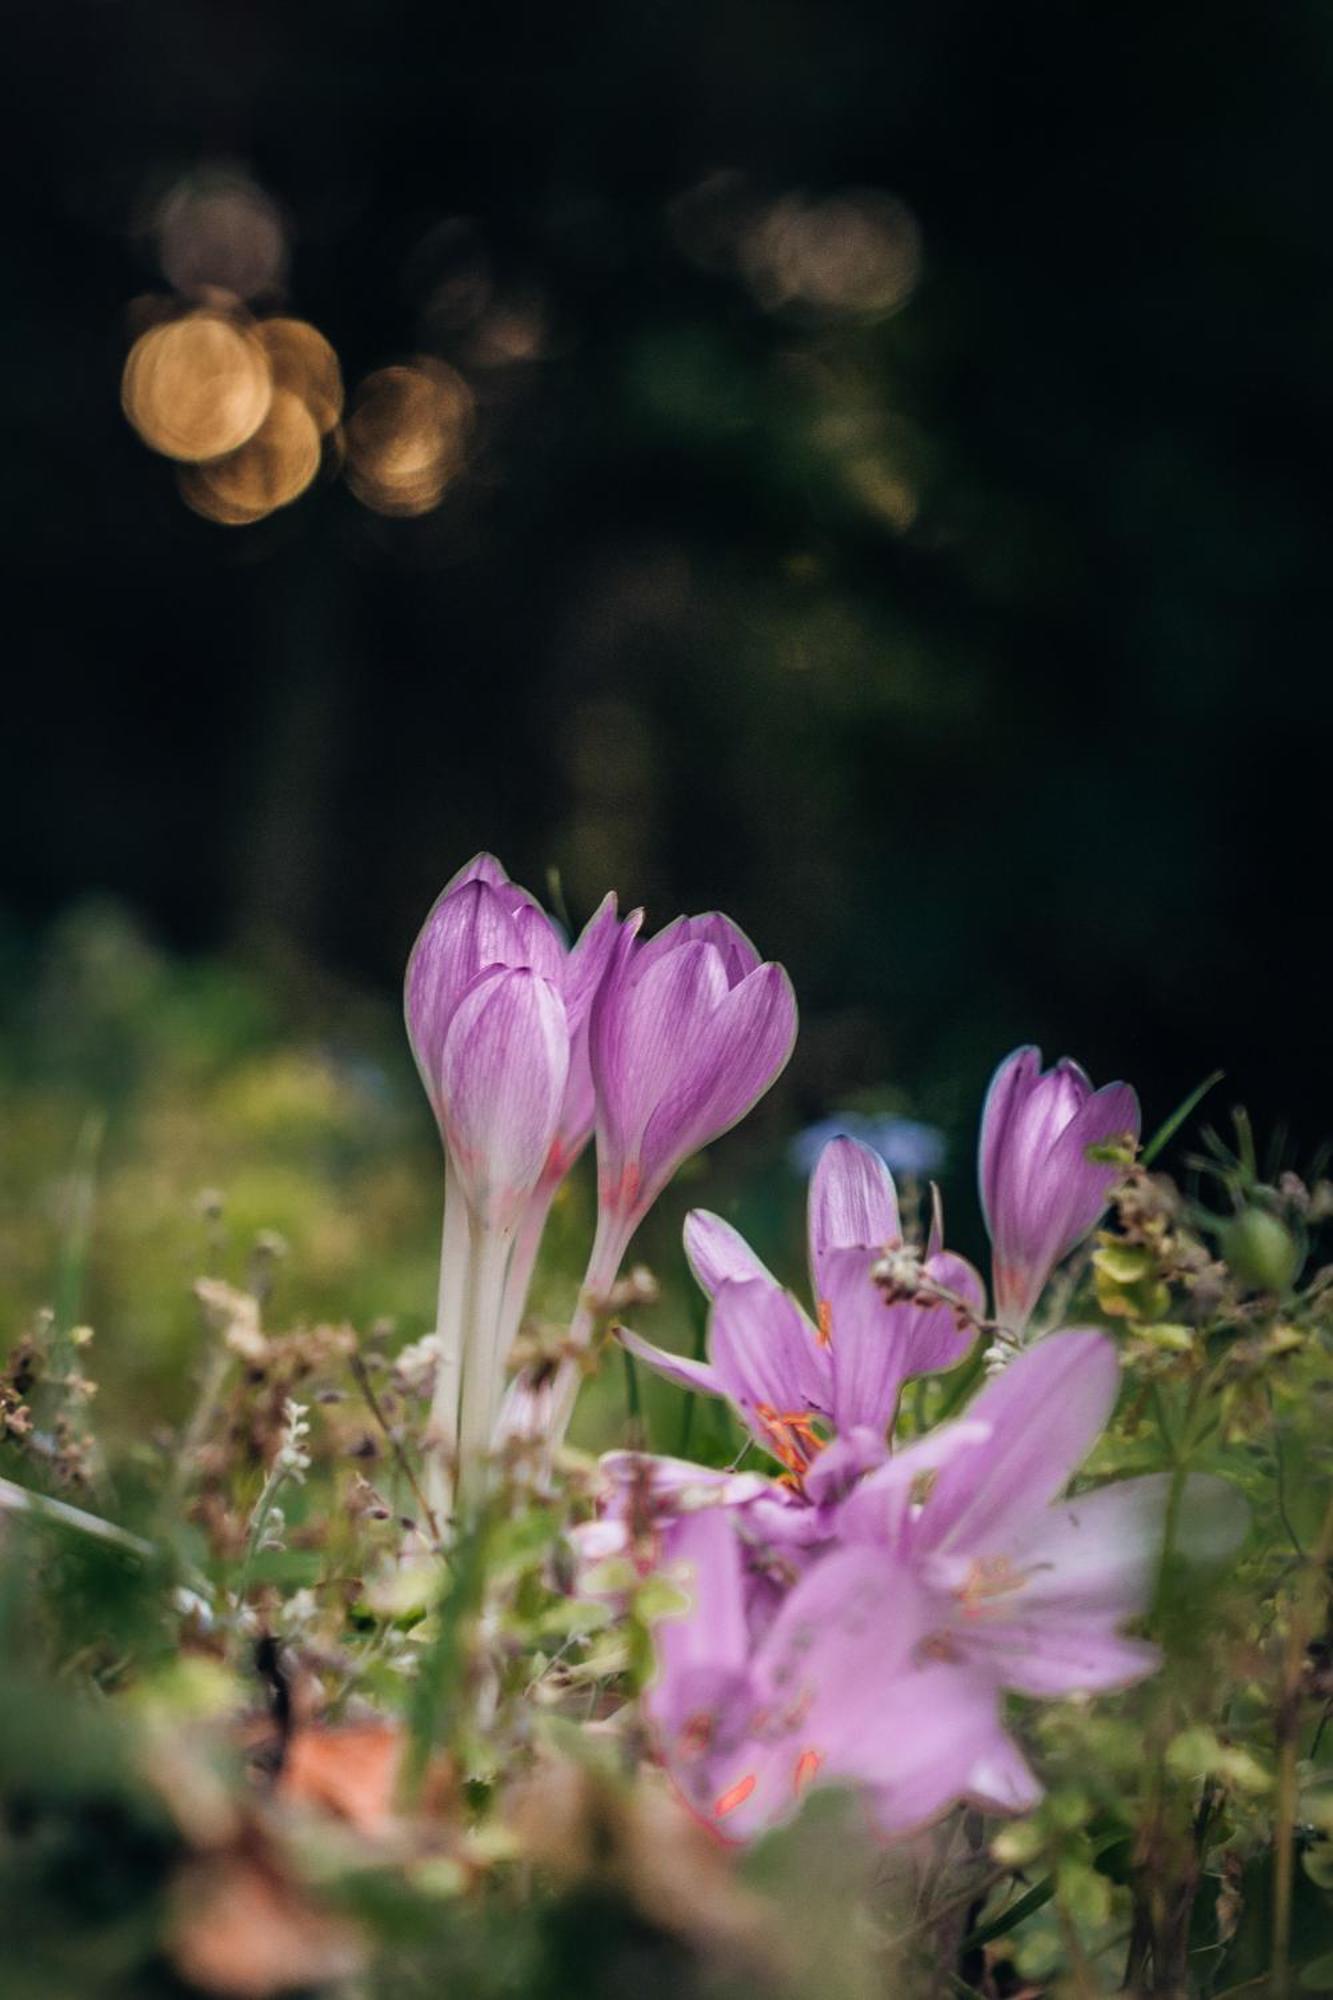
[72, 1265]
[1168, 1129]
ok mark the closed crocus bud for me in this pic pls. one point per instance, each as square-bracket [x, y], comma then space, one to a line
[688, 1031]
[1041, 1193]
[498, 1017]
[503, 1071]
[480, 919]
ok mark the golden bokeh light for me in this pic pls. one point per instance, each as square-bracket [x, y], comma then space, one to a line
[197, 387]
[269, 471]
[406, 435]
[856, 253]
[302, 361]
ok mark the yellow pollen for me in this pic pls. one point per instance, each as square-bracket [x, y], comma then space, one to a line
[734, 1796]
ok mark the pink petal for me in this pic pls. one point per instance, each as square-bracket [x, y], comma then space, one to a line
[502, 1082]
[482, 867]
[649, 1030]
[738, 955]
[879, 1508]
[677, 1368]
[1045, 1656]
[765, 1354]
[1045, 1412]
[717, 1252]
[726, 1058]
[875, 1345]
[852, 1202]
[468, 930]
[589, 960]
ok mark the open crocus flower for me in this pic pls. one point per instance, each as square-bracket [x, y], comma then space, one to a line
[955, 1572]
[688, 1030]
[785, 1373]
[1041, 1193]
[497, 1014]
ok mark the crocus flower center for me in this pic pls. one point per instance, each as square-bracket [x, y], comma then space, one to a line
[987, 1578]
[792, 1438]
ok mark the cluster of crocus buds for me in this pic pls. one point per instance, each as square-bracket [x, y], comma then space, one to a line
[525, 1045]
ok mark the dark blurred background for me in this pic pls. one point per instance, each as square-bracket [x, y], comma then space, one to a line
[895, 507]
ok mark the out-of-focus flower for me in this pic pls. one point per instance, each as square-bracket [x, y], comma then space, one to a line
[952, 1572]
[906, 1145]
[784, 1373]
[1041, 1193]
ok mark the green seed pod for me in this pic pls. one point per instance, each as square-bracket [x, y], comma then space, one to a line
[1261, 1251]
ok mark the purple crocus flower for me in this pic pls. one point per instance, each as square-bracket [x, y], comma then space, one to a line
[953, 1572]
[1041, 1193]
[497, 1014]
[786, 1374]
[502, 1073]
[688, 1030]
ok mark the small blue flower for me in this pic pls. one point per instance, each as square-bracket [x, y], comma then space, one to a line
[906, 1145]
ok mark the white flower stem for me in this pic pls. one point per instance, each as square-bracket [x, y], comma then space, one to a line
[450, 1327]
[484, 1358]
[527, 1243]
[604, 1260]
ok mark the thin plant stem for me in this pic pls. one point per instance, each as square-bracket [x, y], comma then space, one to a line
[215, 1372]
[527, 1243]
[483, 1369]
[16, 1499]
[1308, 1602]
[451, 1308]
[605, 1258]
[635, 1428]
[363, 1382]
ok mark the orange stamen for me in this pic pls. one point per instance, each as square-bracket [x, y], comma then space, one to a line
[825, 1333]
[791, 1437]
[807, 1764]
[734, 1796]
